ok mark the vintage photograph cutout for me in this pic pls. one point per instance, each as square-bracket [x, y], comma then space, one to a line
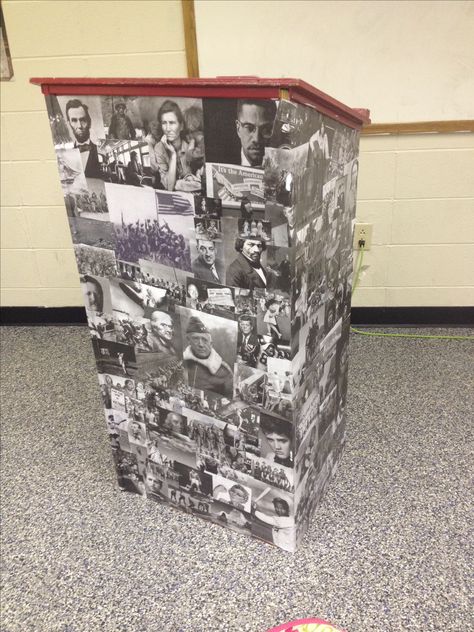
[237, 131]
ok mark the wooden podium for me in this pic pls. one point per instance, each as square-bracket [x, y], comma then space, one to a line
[212, 226]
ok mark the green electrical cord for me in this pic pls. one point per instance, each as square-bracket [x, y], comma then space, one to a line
[358, 268]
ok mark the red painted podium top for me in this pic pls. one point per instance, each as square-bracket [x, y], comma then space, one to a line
[218, 87]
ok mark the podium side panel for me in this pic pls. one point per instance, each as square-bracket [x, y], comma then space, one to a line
[324, 171]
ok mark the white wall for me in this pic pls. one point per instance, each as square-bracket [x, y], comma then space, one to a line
[63, 38]
[418, 191]
[406, 61]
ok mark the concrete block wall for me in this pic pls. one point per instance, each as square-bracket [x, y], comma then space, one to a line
[62, 38]
[418, 191]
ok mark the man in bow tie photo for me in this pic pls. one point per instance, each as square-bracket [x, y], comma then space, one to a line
[79, 120]
[246, 271]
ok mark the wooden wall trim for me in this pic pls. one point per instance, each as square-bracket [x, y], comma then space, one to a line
[190, 40]
[421, 127]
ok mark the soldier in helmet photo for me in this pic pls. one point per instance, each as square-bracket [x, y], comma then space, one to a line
[205, 368]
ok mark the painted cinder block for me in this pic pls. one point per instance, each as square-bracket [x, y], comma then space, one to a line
[10, 177]
[19, 269]
[34, 126]
[13, 228]
[20, 96]
[433, 296]
[161, 31]
[213, 238]
[377, 180]
[429, 265]
[39, 188]
[435, 174]
[56, 267]
[379, 213]
[442, 221]
[40, 296]
[57, 234]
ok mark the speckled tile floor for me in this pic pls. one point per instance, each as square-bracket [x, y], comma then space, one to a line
[389, 550]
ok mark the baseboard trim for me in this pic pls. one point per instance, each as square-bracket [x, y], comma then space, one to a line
[368, 316]
[413, 316]
[43, 316]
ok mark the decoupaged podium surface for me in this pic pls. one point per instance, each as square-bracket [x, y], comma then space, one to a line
[212, 228]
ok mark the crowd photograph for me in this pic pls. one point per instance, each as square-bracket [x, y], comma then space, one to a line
[96, 261]
[91, 232]
[89, 203]
[151, 227]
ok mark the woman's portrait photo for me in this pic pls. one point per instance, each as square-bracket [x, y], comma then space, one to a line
[176, 146]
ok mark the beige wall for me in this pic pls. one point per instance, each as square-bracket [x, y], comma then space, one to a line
[406, 61]
[63, 38]
[417, 190]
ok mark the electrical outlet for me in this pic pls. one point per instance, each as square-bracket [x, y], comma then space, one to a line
[363, 232]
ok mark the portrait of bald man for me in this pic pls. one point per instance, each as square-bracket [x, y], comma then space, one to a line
[161, 336]
[159, 348]
[238, 130]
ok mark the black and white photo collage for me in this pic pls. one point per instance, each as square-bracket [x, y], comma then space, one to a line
[213, 240]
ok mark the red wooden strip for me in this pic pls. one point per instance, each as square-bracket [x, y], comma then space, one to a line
[218, 87]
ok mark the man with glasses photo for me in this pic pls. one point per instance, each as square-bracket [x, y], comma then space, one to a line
[238, 130]
[254, 127]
